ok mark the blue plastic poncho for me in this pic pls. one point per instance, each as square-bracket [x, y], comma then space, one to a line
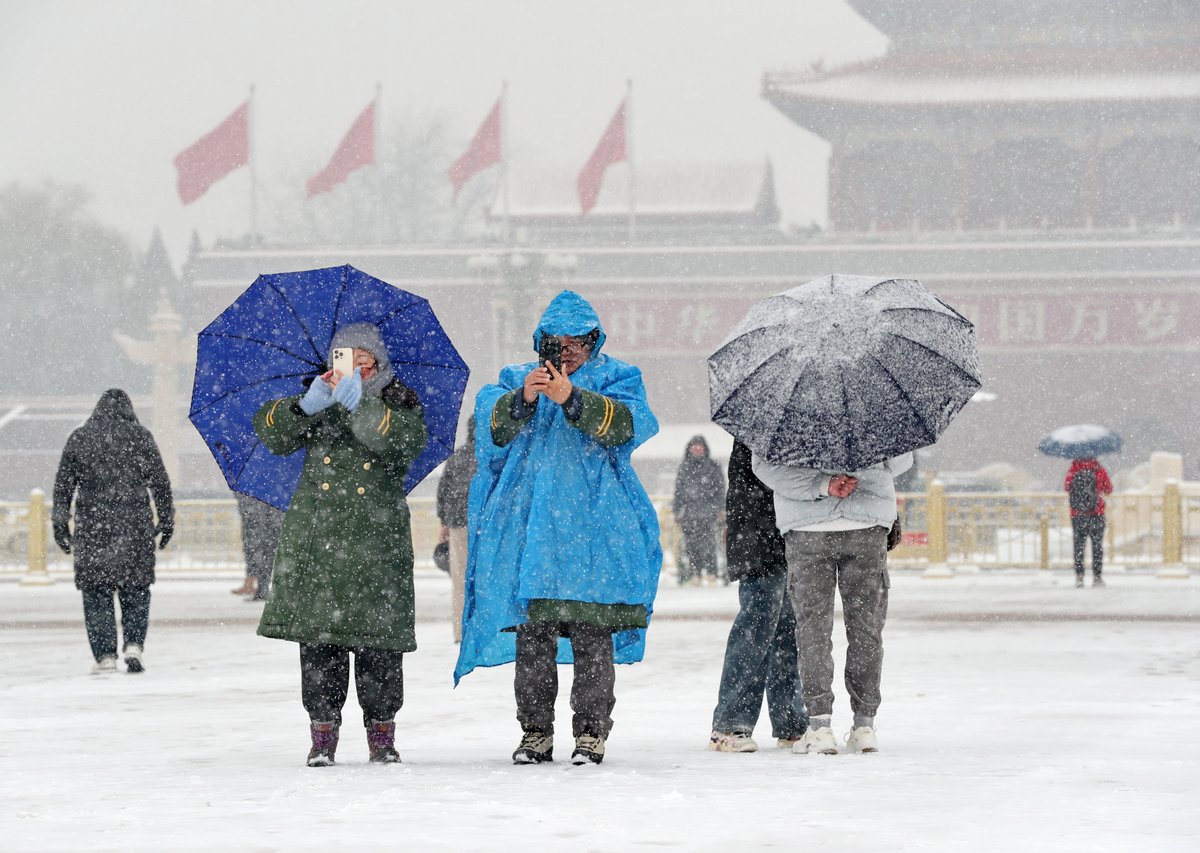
[554, 514]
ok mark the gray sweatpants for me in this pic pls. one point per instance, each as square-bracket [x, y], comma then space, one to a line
[854, 562]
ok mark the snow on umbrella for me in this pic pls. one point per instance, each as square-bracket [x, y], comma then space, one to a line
[843, 372]
[1081, 441]
[276, 336]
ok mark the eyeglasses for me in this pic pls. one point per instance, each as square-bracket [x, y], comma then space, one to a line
[575, 346]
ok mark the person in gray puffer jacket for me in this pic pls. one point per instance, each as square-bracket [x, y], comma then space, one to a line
[835, 528]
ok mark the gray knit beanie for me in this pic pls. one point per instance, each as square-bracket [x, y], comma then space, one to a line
[366, 336]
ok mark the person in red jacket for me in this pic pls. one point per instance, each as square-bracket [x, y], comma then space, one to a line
[1086, 484]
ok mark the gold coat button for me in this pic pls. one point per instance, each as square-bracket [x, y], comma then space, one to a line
[324, 487]
[366, 466]
[361, 490]
[326, 460]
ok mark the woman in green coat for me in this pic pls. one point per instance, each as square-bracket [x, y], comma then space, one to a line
[343, 573]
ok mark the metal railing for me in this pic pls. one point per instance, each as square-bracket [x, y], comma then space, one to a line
[987, 530]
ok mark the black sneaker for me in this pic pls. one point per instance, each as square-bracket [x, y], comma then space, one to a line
[535, 748]
[588, 749]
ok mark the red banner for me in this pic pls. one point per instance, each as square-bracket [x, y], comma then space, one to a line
[357, 149]
[1018, 321]
[610, 149]
[213, 156]
[483, 152]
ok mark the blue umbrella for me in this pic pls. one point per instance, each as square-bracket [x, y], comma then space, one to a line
[275, 338]
[1081, 441]
[843, 372]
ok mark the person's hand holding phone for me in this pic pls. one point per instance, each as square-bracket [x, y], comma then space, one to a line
[536, 381]
[348, 391]
[559, 387]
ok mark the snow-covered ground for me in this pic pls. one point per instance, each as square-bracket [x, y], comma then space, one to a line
[1019, 714]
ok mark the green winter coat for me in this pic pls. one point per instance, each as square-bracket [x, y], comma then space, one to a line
[344, 568]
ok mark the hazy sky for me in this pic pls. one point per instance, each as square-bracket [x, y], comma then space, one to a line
[106, 93]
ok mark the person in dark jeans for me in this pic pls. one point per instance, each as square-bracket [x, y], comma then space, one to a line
[109, 474]
[697, 505]
[1091, 482]
[760, 654]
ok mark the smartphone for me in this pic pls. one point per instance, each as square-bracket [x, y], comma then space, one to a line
[550, 350]
[343, 361]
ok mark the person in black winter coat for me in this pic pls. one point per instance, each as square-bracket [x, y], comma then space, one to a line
[699, 495]
[111, 470]
[761, 652]
[452, 492]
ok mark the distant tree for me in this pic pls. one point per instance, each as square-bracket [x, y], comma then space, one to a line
[403, 198]
[67, 280]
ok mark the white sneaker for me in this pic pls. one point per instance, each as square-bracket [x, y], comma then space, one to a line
[862, 739]
[817, 740]
[133, 658]
[731, 742]
[105, 665]
[787, 742]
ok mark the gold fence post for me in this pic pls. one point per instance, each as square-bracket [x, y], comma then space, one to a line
[35, 530]
[1172, 533]
[1044, 531]
[938, 536]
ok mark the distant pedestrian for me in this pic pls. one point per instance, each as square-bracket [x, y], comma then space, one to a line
[113, 473]
[698, 508]
[1086, 484]
[261, 525]
[452, 492]
[760, 654]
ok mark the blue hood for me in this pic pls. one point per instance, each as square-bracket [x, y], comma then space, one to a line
[569, 314]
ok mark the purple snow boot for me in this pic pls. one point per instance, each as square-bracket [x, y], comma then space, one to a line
[324, 744]
[381, 742]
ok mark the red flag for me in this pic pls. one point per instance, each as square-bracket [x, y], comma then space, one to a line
[610, 149]
[215, 155]
[484, 150]
[356, 150]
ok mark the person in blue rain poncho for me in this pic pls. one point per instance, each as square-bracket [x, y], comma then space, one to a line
[563, 554]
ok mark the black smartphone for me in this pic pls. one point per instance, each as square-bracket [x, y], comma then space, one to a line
[550, 350]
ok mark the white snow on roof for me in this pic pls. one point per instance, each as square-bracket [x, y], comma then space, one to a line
[872, 87]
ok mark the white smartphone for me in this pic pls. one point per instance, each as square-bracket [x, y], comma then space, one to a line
[343, 361]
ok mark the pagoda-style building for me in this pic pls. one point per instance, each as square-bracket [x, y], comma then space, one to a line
[1035, 162]
[996, 115]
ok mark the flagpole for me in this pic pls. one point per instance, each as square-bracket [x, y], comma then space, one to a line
[377, 148]
[504, 158]
[629, 158]
[253, 171]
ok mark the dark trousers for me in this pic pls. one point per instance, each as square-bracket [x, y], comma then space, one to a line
[325, 681]
[700, 544]
[99, 618]
[760, 656]
[1083, 528]
[536, 679]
